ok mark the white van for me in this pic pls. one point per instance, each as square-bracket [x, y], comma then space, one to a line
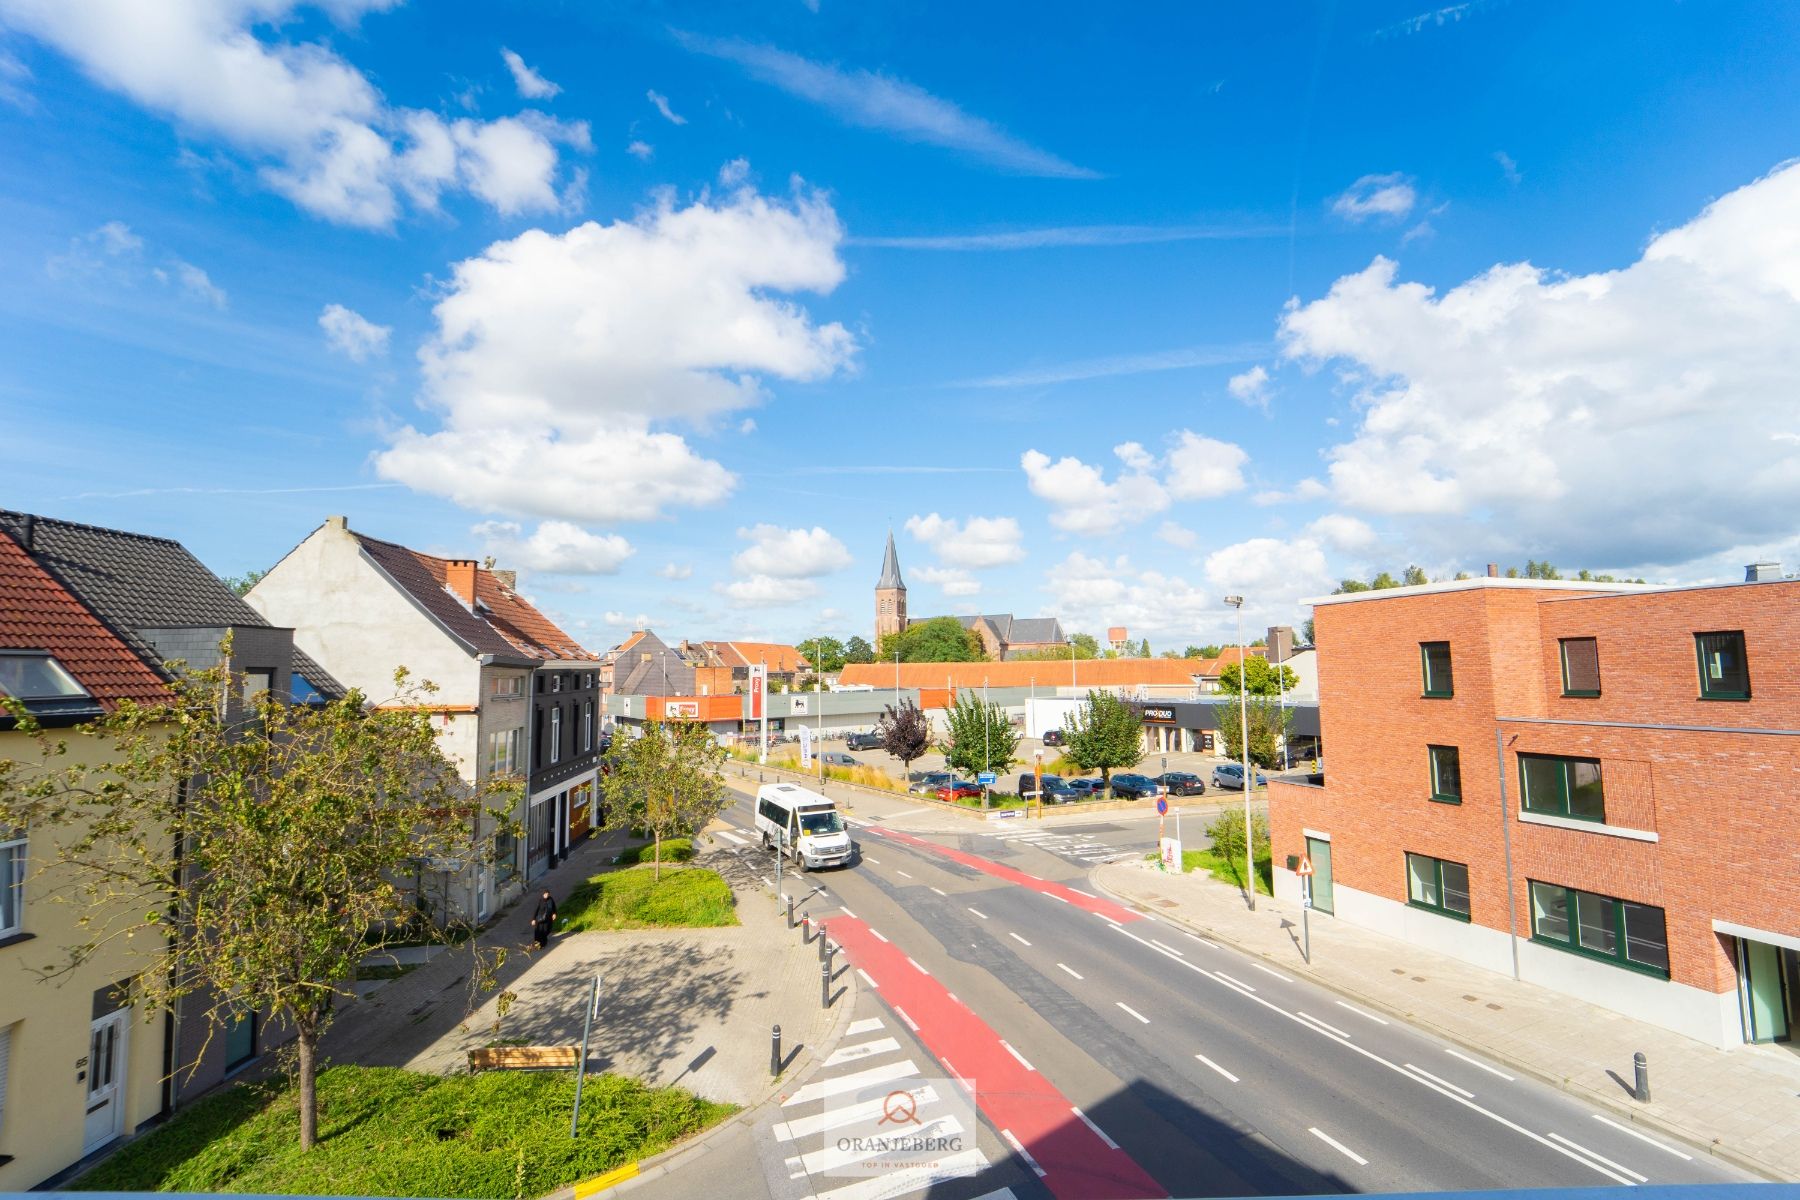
[803, 824]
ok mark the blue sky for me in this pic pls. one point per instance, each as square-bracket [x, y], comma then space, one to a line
[680, 307]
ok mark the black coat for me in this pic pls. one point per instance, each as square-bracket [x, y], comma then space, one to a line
[546, 912]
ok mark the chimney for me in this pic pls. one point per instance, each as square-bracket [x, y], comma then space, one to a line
[1761, 572]
[506, 579]
[1281, 643]
[1493, 570]
[459, 577]
[338, 522]
[27, 532]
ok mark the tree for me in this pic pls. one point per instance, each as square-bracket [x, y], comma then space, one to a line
[1347, 586]
[1052, 654]
[858, 650]
[294, 824]
[1383, 580]
[1226, 833]
[1104, 734]
[1086, 645]
[1208, 651]
[243, 583]
[940, 639]
[980, 738]
[1144, 649]
[1413, 577]
[904, 732]
[1306, 630]
[1268, 721]
[826, 654]
[668, 781]
[1265, 678]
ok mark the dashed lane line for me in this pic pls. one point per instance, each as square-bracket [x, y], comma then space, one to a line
[1009, 1049]
[1134, 1012]
[1490, 1070]
[1015, 937]
[1342, 1149]
[1215, 1066]
[1359, 1012]
[1098, 1132]
[1323, 1025]
[1441, 1082]
[1070, 970]
[979, 913]
[1272, 971]
[1599, 1158]
[1642, 1137]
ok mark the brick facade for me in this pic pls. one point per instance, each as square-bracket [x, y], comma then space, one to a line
[1700, 795]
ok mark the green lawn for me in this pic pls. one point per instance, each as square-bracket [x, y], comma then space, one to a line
[1231, 871]
[678, 850]
[633, 899]
[388, 1132]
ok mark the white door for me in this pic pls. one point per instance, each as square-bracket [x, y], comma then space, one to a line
[106, 1080]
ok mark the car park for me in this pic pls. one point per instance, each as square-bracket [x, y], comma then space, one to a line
[1182, 783]
[1231, 777]
[958, 789]
[863, 741]
[1135, 787]
[837, 758]
[929, 782]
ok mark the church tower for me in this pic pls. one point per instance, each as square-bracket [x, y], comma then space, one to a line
[890, 595]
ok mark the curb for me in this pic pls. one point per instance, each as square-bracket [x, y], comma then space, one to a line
[1668, 1129]
[630, 1175]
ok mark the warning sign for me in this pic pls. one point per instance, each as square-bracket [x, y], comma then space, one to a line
[1304, 870]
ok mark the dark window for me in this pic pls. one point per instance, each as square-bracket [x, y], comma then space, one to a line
[1446, 774]
[1580, 667]
[1617, 931]
[240, 1041]
[1724, 671]
[1436, 659]
[1438, 885]
[1562, 787]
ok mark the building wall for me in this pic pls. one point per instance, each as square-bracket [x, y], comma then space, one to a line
[44, 1107]
[890, 612]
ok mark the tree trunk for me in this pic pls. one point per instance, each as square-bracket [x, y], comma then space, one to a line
[656, 865]
[309, 1088]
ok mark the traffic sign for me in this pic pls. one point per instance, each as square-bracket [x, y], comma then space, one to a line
[1162, 806]
[985, 779]
[1305, 868]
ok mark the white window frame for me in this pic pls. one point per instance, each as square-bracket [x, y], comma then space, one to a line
[508, 685]
[587, 727]
[12, 880]
[556, 734]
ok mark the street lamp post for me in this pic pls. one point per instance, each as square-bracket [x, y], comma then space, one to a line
[1073, 685]
[1237, 602]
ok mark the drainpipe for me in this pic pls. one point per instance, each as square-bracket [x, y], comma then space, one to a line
[1512, 900]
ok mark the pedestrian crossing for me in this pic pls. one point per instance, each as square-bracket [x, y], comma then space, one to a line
[1076, 846]
[870, 1056]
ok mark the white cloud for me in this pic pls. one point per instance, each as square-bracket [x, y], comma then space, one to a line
[555, 356]
[662, 106]
[735, 173]
[1252, 386]
[1387, 197]
[877, 101]
[1072, 235]
[619, 620]
[642, 151]
[1177, 535]
[952, 581]
[675, 571]
[531, 85]
[319, 131]
[1603, 414]
[747, 426]
[1307, 489]
[977, 542]
[1272, 576]
[113, 254]
[351, 334]
[1203, 468]
[790, 553]
[1124, 364]
[14, 76]
[1508, 167]
[767, 591]
[1081, 499]
[1343, 532]
[555, 548]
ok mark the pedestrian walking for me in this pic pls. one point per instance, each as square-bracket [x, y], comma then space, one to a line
[542, 918]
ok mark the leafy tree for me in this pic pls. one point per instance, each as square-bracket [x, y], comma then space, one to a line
[940, 639]
[1144, 649]
[858, 650]
[1054, 653]
[1208, 651]
[1227, 836]
[1414, 576]
[668, 780]
[1268, 721]
[1383, 580]
[980, 738]
[1104, 734]
[294, 823]
[826, 654]
[904, 732]
[1086, 645]
[243, 583]
[1265, 678]
[1307, 629]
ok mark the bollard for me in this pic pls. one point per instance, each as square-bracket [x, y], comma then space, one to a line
[806, 931]
[790, 912]
[1642, 1066]
[824, 954]
[824, 985]
[775, 1050]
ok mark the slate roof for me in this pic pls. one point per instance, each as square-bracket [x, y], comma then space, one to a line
[134, 581]
[652, 659]
[890, 568]
[38, 613]
[1012, 631]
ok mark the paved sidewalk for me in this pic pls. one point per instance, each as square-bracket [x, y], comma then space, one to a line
[1742, 1104]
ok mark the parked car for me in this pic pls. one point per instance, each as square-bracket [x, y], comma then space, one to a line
[1084, 788]
[1028, 782]
[1058, 791]
[863, 741]
[1135, 787]
[1053, 737]
[1182, 783]
[837, 758]
[929, 782]
[958, 789]
[1231, 777]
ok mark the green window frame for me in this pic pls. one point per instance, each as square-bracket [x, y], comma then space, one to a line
[1437, 885]
[1621, 932]
[1580, 666]
[1434, 665]
[1445, 763]
[1554, 786]
[1724, 666]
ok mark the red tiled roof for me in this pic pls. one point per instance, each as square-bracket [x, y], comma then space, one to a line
[524, 625]
[780, 658]
[1089, 672]
[37, 613]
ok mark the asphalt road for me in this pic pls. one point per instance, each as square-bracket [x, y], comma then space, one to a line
[1212, 1073]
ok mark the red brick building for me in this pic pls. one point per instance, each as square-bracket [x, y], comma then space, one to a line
[1590, 787]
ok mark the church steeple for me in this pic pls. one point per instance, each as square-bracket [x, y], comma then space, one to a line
[890, 595]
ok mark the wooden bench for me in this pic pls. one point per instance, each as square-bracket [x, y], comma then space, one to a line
[524, 1058]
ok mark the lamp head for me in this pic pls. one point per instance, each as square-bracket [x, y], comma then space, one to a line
[1235, 601]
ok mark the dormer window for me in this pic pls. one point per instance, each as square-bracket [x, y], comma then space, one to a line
[33, 675]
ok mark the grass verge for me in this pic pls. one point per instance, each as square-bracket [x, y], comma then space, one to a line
[691, 897]
[388, 1132]
[674, 850]
[1230, 870]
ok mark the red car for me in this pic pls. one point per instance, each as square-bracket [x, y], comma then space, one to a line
[957, 789]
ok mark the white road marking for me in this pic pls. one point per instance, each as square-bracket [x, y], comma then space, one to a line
[1359, 1012]
[830, 1157]
[831, 1118]
[767, 882]
[1201, 940]
[916, 966]
[1215, 1066]
[1015, 937]
[861, 1050]
[901, 873]
[872, 859]
[1089, 895]
[1054, 896]
[1098, 1132]
[876, 932]
[847, 912]
[733, 838]
[1134, 1012]
[1322, 1025]
[1023, 1153]
[1170, 949]
[1482, 1065]
[1017, 1055]
[1070, 970]
[1600, 1158]
[979, 913]
[868, 1025]
[910, 1023]
[866, 979]
[850, 1083]
[1643, 1137]
[1238, 982]
[1439, 1081]
[1104, 917]
[940, 891]
[913, 1180]
[1272, 971]
[1346, 1151]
